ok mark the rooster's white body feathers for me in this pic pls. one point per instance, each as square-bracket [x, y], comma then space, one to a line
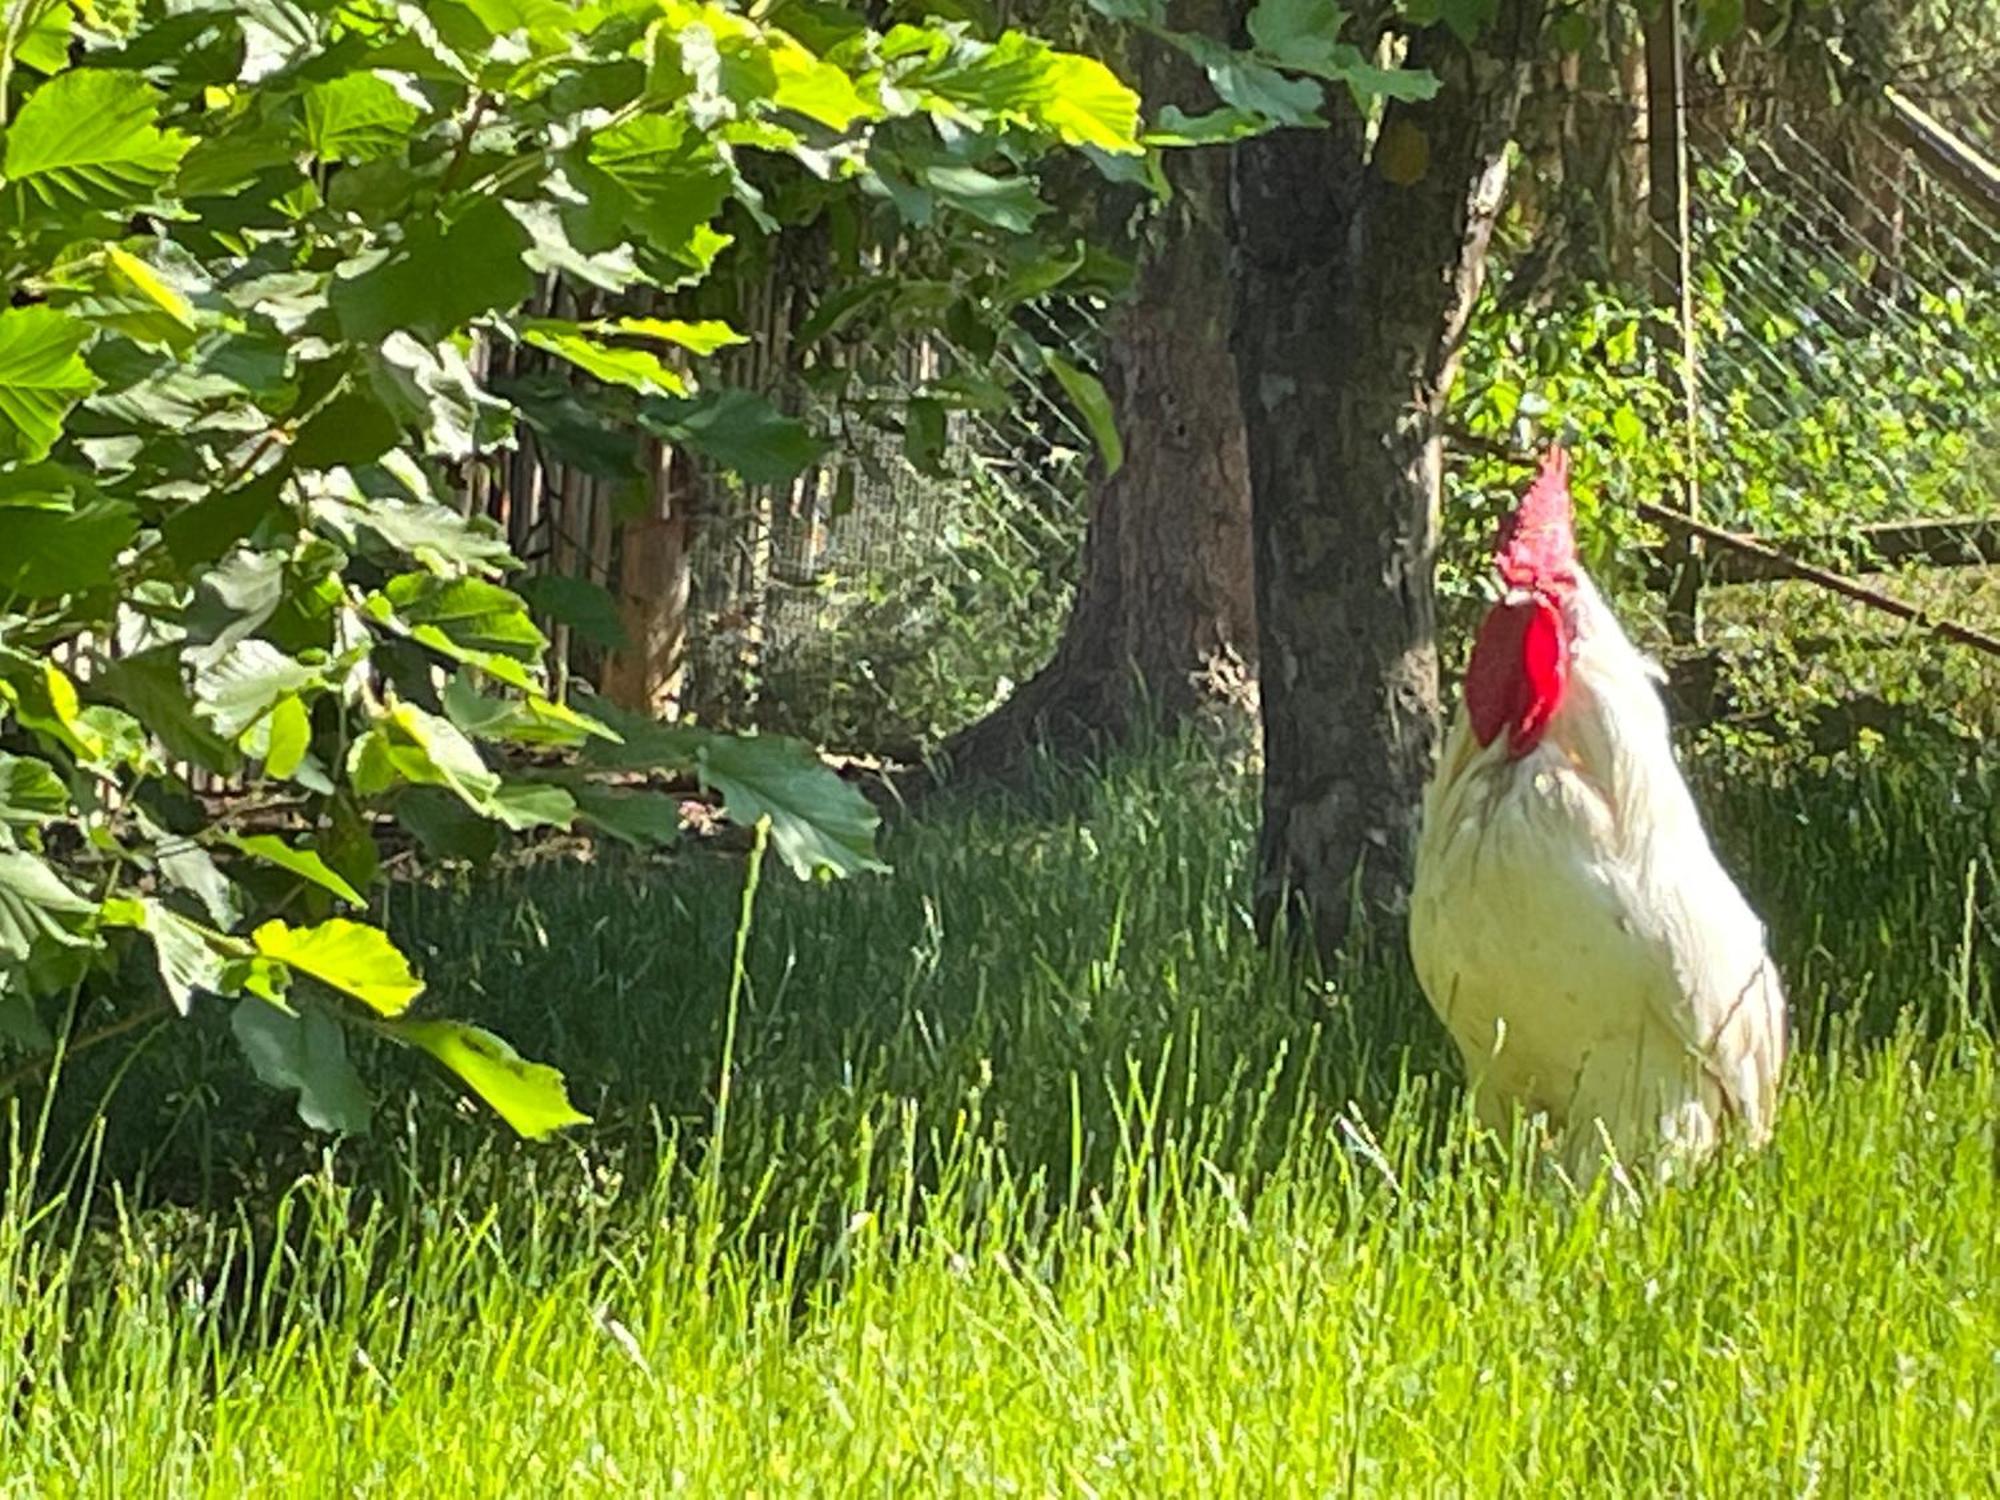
[1575, 932]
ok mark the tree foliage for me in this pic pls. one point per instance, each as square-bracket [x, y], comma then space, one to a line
[258, 254]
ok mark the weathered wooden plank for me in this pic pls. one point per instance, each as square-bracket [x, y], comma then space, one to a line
[1945, 155]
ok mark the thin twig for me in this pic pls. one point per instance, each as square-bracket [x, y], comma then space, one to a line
[1791, 567]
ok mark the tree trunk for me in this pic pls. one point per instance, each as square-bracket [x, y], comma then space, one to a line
[1356, 271]
[1166, 592]
[647, 674]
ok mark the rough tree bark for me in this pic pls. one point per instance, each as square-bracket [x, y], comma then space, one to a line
[1166, 586]
[1356, 269]
[648, 673]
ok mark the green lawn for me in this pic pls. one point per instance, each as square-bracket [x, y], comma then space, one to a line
[1039, 1177]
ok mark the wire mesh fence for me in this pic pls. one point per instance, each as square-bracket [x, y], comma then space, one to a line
[889, 590]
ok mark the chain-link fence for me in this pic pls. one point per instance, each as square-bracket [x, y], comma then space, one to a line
[905, 584]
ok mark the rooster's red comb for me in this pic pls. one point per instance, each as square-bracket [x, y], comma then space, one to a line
[1537, 545]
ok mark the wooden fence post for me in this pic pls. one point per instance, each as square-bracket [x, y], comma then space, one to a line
[1673, 281]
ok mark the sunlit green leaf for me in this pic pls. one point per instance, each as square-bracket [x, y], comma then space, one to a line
[639, 369]
[304, 863]
[351, 957]
[356, 118]
[192, 960]
[246, 684]
[528, 1096]
[41, 378]
[291, 737]
[87, 139]
[704, 336]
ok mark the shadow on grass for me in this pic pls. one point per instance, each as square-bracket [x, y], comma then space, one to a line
[1049, 970]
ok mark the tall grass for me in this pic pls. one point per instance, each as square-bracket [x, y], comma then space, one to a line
[1041, 1175]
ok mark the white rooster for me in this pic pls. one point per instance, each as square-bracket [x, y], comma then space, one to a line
[1569, 922]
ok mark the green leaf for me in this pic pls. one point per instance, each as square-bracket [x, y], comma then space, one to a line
[476, 616]
[149, 684]
[1717, 23]
[189, 959]
[446, 827]
[641, 819]
[703, 336]
[201, 532]
[351, 430]
[86, 139]
[41, 377]
[1086, 393]
[585, 607]
[1466, 19]
[663, 181]
[33, 903]
[304, 863]
[31, 793]
[291, 737]
[1088, 106]
[739, 430]
[437, 280]
[638, 369]
[1256, 88]
[1627, 428]
[522, 805]
[528, 1096]
[1020, 77]
[612, 267]
[435, 535]
[356, 118]
[924, 435]
[436, 392]
[1216, 127]
[1008, 203]
[818, 822]
[1302, 35]
[818, 90]
[239, 689]
[1366, 82]
[307, 1053]
[165, 311]
[411, 745]
[44, 45]
[20, 1023]
[643, 743]
[1570, 31]
[45, 701]
[49, 553]
[530, 720]
[186, 866]
[351, 957]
